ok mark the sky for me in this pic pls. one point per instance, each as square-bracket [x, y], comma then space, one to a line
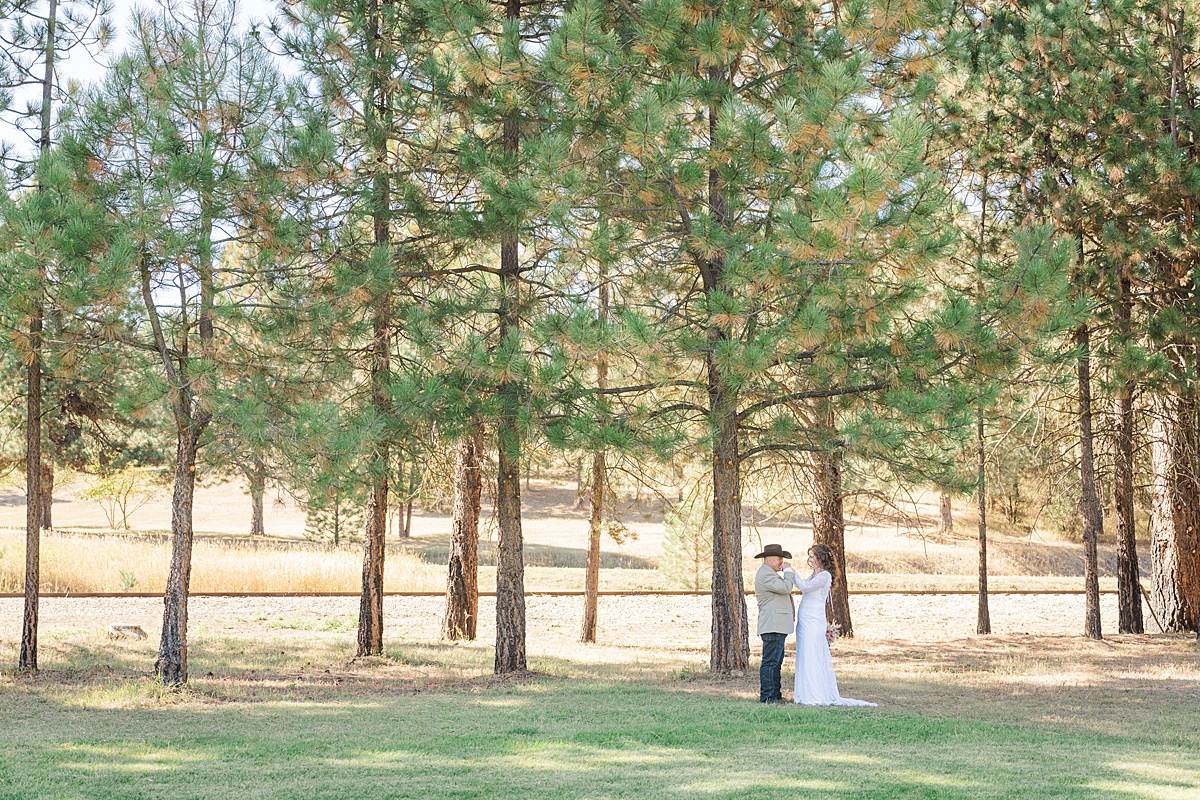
[84, 68]
[79, 65]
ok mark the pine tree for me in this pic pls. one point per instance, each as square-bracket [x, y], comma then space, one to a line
[504, 159]
[54, 253]
[1100, 146]
[581, 62]
[770, 286]
[372, 141]
[31, 39]
[177, 130]
[1166, 131]
[1001, 118]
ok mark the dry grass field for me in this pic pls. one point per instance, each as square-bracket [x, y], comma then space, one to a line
[131, 562]
[79, 562]
[884, 549]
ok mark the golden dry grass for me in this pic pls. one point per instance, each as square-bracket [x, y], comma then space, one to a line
[879, 540]
[94, 563]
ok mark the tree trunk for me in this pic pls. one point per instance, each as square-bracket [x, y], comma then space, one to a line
[47, 492]
[377, 114]
[1089, 500]
[462, 581]
[190, 424]
[33, 489]
[171, 665]
[370, 610]
[983, 623]
[1129, 594]
[1175, 514]
[580, 492]
[27, 661]
[412, 495]
[829, 529]
[730, 649]
[370, 607]
[191, 420]
[945, 513]
[591, 581]
[510, 564]
[401, 480]
[258, 488]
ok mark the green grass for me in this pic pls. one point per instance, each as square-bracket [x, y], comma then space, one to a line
[295, 718]
[344, 622]
[558, 738]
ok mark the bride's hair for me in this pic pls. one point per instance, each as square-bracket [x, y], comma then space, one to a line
[825, 556]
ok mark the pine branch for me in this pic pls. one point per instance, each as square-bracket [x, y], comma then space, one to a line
[822, 393]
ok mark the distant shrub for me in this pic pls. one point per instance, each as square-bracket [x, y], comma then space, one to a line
[687, 548]
[122, 492]
[128, 580]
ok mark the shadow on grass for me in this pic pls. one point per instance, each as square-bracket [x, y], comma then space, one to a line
[1118, 667]
[962, 719]
[548, 737]
[88, 669]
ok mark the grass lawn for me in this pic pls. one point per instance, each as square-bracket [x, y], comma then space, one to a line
[1023, 717]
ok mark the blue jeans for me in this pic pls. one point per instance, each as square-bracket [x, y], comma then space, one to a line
[772, 660]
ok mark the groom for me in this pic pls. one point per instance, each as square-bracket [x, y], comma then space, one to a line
[776, 617]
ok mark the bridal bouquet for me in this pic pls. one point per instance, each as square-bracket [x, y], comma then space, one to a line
[832, 631]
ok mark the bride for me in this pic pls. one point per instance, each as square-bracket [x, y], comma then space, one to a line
[815, 681]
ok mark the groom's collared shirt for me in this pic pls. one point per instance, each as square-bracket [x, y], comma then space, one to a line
[776, 609]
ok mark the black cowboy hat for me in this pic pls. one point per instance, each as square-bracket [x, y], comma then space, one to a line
[774, 550]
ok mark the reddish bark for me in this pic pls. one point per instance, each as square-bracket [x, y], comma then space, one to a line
[1129, 594]
[983, 621]
[462, 581]
[829, 528]
[1089, 498]
[1175, 514]
[591, 580]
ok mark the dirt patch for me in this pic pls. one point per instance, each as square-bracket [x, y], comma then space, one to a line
[912, 653]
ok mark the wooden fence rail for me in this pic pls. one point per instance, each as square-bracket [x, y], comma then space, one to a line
[556, 593]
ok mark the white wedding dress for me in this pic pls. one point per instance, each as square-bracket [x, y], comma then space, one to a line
[816, 684]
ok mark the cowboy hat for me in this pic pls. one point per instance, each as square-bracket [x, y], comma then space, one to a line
[774, 550]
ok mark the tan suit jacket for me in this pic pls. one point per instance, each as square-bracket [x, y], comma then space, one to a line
[776, 609]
